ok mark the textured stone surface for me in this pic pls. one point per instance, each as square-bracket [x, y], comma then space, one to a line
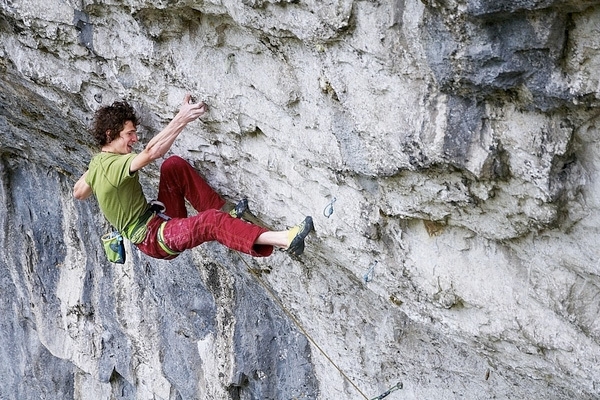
[458, 138]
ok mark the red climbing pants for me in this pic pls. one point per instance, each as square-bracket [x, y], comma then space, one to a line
[179, 182]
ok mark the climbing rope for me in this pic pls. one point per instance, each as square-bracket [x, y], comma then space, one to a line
[297, 323]
[256, 274]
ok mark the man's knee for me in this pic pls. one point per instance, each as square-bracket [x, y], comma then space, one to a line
[173, 162]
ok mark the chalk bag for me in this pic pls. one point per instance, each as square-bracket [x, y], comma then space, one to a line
[114, 247]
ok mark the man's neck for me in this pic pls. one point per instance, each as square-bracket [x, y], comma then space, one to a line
[107, 148]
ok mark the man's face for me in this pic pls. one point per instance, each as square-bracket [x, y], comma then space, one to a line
[127, 137]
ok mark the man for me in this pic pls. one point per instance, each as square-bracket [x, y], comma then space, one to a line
[113, 178]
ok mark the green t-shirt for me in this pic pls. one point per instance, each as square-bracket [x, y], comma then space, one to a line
[119, 193]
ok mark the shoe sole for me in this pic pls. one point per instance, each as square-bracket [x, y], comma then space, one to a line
[241, 208]
[297, 246]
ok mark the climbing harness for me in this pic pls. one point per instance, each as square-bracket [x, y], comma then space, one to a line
[160, 236]
[329, 208]
[113, 243]
[158, 208]
[136, 233]
[256, 274]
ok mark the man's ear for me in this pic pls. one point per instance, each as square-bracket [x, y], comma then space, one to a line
[108, 138]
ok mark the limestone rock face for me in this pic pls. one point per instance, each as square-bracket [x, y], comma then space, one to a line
[447, 150]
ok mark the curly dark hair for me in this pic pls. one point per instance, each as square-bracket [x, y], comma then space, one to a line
[111, 120]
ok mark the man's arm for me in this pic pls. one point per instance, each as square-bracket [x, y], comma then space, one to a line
[82, 190]
[161, 143]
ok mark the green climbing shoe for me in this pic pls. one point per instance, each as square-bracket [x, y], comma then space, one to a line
[297, 235]
[240, 208]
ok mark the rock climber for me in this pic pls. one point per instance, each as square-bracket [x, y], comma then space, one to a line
[166, 230]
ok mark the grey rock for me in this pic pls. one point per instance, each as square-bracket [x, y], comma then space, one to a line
[459, 139]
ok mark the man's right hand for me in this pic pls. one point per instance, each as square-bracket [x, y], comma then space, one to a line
[160, 144]
[190, 111]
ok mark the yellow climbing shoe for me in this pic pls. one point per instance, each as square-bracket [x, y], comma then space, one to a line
[297, 234]
[240, 208]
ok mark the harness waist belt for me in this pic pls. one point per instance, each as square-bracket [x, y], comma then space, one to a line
[137, 233]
